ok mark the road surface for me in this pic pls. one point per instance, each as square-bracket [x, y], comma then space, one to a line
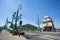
[42, 35]
[5, 35]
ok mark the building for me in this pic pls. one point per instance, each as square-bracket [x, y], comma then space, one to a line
[57, 29]
[48, 24]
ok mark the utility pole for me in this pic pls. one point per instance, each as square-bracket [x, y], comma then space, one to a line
[16, 16]
[38, 23]
[20, 15]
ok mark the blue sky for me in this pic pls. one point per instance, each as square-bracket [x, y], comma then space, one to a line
[29, 10]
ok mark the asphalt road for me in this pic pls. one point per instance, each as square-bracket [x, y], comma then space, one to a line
[4, 35]
[42, 35]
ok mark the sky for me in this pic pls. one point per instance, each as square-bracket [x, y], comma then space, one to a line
[29, 10]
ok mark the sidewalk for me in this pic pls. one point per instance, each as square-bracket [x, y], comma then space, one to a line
[4, 35]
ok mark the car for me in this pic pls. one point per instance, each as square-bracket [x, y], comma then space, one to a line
[20, 32]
